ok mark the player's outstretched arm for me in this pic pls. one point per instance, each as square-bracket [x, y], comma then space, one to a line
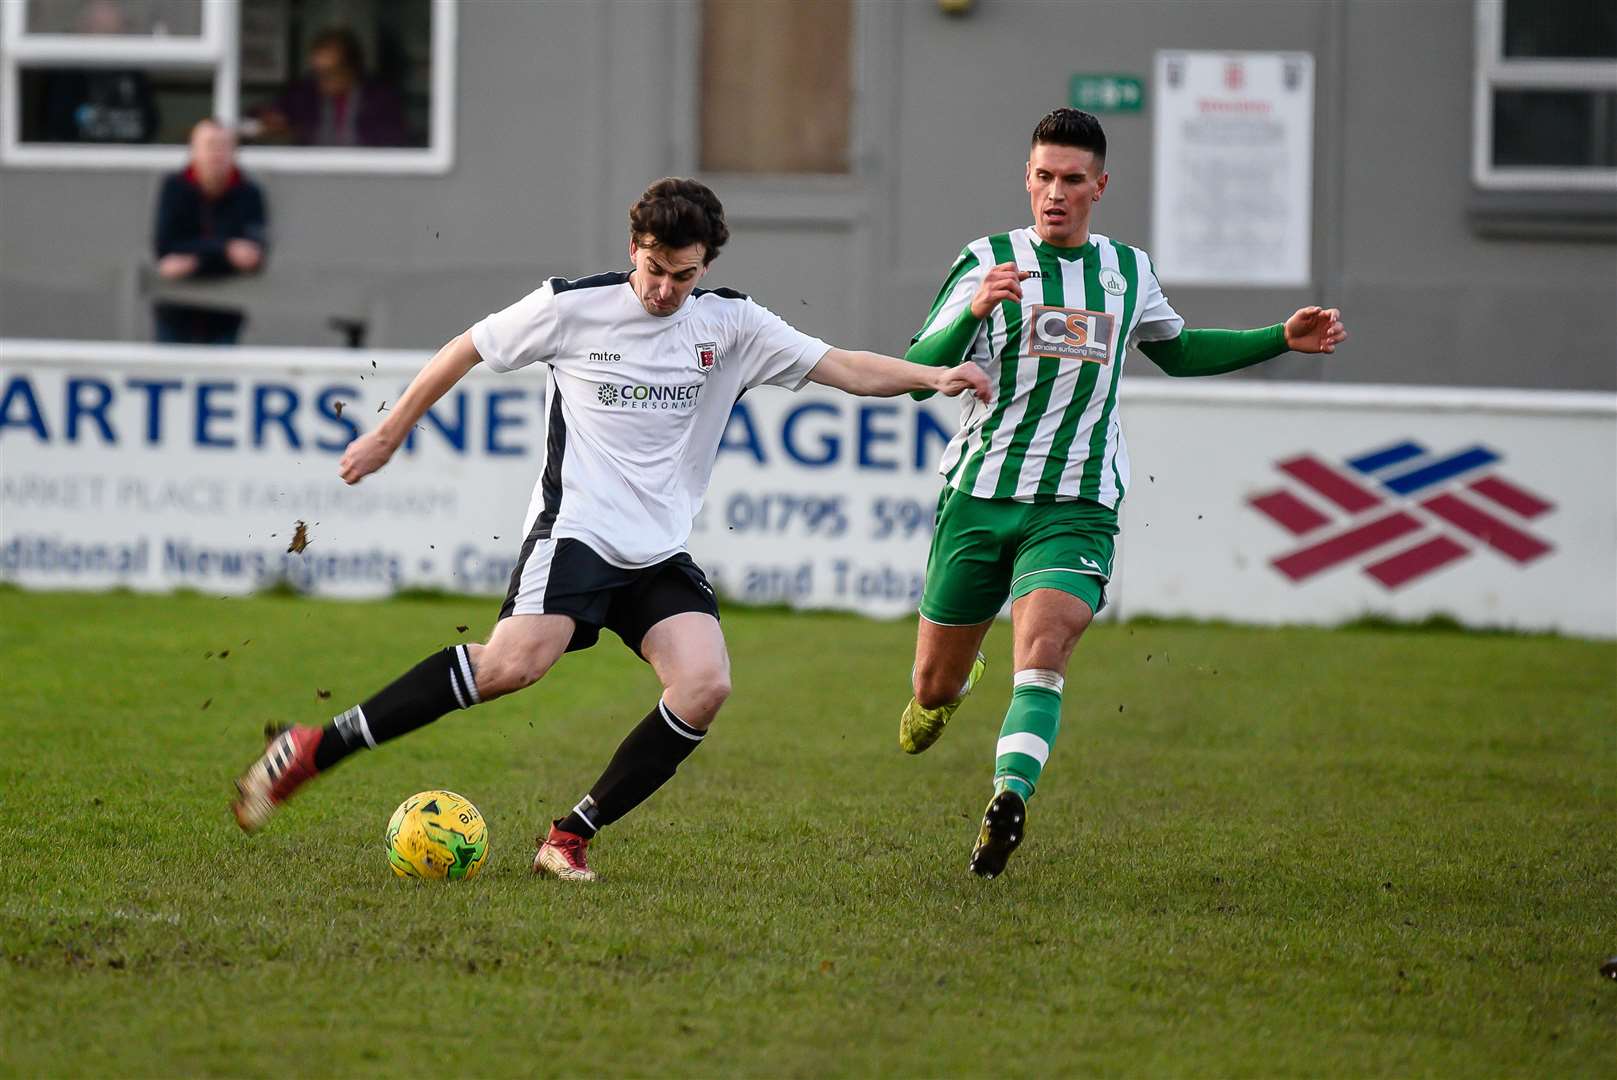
[372, 450]
[868, 374]
[1216, 352]
[1315, 330]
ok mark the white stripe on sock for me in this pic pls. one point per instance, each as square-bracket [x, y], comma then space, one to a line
[365, 727]
[1043, 677]
[454, 684]
[466, 672]
[582, 812]
[1024, 742]
[677, 724]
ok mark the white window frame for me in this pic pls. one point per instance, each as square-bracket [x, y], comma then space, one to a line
[1495, 71]
[216, 49]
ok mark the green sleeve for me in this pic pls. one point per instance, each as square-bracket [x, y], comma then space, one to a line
[1214, 352]
[944, 348]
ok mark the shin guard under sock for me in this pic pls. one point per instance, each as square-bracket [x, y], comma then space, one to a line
[644, 762]
[1029, 731]
[440, 684]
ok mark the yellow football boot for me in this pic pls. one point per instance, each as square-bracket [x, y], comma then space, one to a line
[919, 728]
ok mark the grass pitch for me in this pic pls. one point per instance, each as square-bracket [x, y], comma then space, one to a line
[1253, 853]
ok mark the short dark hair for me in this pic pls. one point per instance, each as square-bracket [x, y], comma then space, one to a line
[676, 212]
[346, 42]
[1071, 127]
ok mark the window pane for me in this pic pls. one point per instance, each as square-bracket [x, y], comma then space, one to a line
[1555, 128]
[776, 85]
[102, 105]
[336, 72]
[1561, 29]
[156, 18]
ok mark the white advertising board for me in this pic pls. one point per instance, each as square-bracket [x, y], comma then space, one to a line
[1271, 503]
[160, 467]
[1232, 191]
[157, 467]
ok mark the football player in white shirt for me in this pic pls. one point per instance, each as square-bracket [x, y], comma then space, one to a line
[644, 370]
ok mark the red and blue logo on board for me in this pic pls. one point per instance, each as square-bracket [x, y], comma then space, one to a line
[1400, 513]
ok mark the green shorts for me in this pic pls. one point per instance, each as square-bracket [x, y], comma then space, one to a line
[985, 550]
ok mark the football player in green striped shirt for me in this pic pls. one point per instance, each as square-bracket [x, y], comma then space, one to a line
[1034, 477]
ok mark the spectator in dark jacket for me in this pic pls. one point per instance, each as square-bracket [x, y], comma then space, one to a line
[336, 105]
[210, 223]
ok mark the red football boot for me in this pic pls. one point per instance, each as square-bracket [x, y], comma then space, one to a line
[287, 764]
[561, 855]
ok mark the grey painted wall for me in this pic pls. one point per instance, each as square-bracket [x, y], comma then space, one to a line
[566, 109]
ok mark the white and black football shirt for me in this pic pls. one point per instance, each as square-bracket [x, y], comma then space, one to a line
[638, 403]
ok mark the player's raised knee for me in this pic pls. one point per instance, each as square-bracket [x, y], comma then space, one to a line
[934, 687]
[700, 695]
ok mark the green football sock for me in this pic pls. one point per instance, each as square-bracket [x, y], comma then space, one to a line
[1029, 731]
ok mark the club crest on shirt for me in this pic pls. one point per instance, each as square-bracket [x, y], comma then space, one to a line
[1070, 334]
[1113, 282]
[707, 354]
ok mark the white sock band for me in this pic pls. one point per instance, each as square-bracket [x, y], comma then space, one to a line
[1023, 742]
[680, 727]
[1043, 678]
[585, 805]
[464, 658]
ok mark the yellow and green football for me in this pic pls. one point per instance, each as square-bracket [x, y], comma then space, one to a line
[436, 835]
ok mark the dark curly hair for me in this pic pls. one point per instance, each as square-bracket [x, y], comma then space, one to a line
[676, 212]
[1071, 127]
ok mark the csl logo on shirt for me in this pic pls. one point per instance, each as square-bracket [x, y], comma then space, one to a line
[643, 396]
[1070, 334]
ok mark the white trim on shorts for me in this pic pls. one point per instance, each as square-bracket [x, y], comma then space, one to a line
[1060, 570]
[979, 622]
[530, 598]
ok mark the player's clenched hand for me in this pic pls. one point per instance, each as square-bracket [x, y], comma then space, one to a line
[365, 455]
[1004, 282]
[967, 376]
[1315, 330]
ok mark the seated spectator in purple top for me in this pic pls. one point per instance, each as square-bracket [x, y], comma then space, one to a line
[210, 224]
[336, 105]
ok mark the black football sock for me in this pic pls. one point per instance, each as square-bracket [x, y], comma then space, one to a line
[644, 762]
[440, 684]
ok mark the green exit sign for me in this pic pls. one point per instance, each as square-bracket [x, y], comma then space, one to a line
[1107, 93]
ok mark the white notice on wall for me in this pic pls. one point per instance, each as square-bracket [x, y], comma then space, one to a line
[1232, 202]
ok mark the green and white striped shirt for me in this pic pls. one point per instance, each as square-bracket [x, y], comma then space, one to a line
[1052, 431]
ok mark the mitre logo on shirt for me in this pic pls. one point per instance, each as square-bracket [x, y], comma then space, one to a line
[707, 354]
[1070, 334]
[648, 396]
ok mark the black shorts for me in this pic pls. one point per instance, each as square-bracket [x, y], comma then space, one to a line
[566, 577]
